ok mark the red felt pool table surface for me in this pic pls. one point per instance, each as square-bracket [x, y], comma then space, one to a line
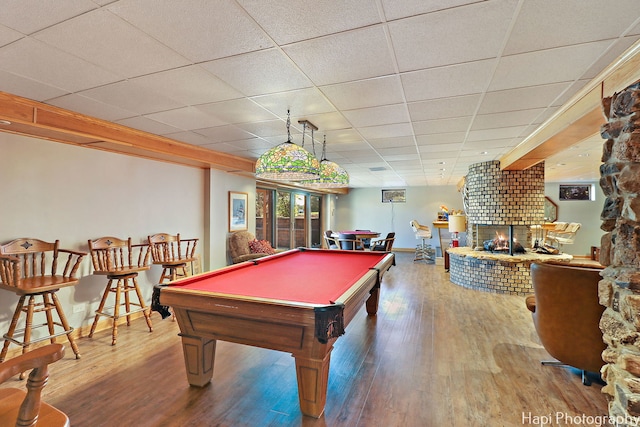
[306, 276]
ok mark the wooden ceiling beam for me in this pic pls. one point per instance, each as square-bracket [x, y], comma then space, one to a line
[579, 118]
[33, 118]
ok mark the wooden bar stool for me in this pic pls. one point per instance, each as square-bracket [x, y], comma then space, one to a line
[120, 261]
[29, 268]
[173, 254]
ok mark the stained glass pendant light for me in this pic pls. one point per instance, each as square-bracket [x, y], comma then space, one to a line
[332, 175]
[288, 161]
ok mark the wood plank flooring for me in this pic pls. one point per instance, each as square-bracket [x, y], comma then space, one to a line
[435, 355]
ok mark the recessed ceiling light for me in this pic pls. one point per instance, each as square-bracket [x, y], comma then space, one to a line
[484, 153]
[5, 122]
[442, 163]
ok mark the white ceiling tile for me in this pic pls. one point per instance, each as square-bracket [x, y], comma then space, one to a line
[148, 125]
[28, 88]
[225, 133]
[186, 118]
[7, 35]
[237, 111]
[397, 150]
[450, 147]
[532, 68]
[210, 31]
[267, 129]
[265, 71]
[455, 124]
[112, 44]
[365, 93]
[37, 61]
[452, 36]
[394, 9]
[440, 138]
[344, 57]
[443, 108]
[510, 118]
[402, 141]
[190, 85]
[521, 98]
[300, 102]
[385, 114]
[342, 136]
[325, 122]
[618, 48]
[571, 22]
[29, 16]
[449, 81]
[132, 97]
[387, 131]
[190, 138]
[311, 18]
[75, 102]
[496, 133]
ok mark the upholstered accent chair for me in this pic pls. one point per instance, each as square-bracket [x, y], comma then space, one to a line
[239, 248]
[566, 314]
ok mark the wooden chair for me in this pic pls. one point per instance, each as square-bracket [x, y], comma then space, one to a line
[331, 242]
[19, 408]
[121, 262]
[385, 244]
[349, 242]
[173, 254]
[29, 268]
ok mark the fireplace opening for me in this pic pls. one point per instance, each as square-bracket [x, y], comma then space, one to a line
[502, 244]
[501, 239]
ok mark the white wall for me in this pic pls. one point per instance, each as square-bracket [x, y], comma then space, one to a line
[55, 191]
[362, 208]
[585, 212]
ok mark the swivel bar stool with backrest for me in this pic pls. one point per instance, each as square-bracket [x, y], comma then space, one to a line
[424, 251]
[29, 268]
[121, 262]
[173, 254]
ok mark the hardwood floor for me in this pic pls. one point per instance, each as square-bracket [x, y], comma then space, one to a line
[435, 355]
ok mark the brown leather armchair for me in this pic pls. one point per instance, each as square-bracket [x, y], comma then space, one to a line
[566, 314]
[239, 248]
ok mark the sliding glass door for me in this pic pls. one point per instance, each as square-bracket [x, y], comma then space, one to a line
[294, 220]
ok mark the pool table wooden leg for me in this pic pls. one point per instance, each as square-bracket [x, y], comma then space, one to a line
[199, 355]
[372, 301]
[313, 376]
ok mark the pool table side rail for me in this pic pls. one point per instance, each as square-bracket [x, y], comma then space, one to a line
[246, 320]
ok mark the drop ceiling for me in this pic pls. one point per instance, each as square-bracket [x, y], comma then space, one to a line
[407, 93]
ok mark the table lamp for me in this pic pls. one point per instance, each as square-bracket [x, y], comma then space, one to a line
[457, 223]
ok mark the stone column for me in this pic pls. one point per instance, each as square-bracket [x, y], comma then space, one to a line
[619, 290]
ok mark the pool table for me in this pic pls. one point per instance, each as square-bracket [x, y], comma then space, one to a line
[298, 301]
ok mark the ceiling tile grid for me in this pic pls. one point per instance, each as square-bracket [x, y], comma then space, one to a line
[415, 90]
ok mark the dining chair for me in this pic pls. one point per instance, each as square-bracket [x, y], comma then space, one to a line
[331, 242]
[385, 244]
[349, 242]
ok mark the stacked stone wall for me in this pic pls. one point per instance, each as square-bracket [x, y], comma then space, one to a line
[619, 289]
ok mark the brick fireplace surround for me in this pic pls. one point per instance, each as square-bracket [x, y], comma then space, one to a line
[619, 289]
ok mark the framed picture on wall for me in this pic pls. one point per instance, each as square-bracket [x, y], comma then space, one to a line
[394, 196]
[238, 211]
[575, 192]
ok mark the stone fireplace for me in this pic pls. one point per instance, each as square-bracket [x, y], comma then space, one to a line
[501, 203]
[619, 289]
